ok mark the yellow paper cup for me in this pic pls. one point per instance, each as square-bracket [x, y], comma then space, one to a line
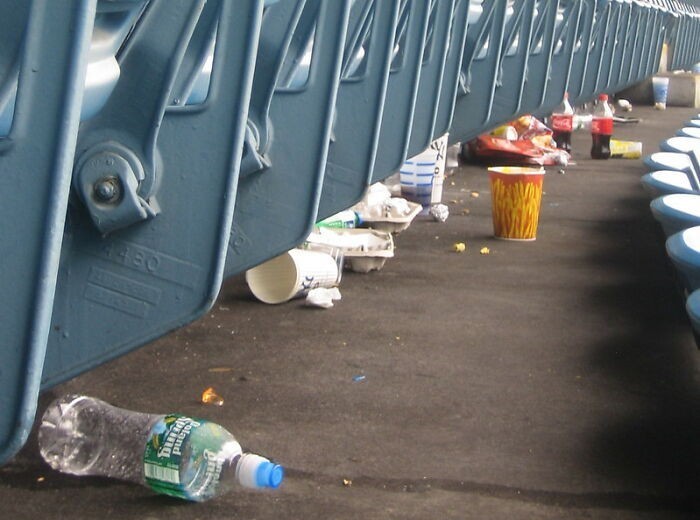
[516, 193]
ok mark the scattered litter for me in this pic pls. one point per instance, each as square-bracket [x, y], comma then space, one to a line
[293, 274]
[466, 211]
[484, 251]
[474, 194]
[452, 159]
[40, 479]
[347, 482]
[357, 379]
[561, 171]
[209, 396]
[363, 250]
[626, 120]
[322, 297]
[423, 175]
[344, 219]
[440, 212]
[459, 247]
[624, 105]
[523, 141]
[380, 211]
[625, 149]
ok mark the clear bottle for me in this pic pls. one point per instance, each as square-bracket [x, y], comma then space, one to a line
[175, 455]
[601, 128]
[562, 122]
[344, 219]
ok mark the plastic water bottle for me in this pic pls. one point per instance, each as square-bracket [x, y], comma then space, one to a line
[344, 219]
[175, 455]
[601, 128]
[563, 124]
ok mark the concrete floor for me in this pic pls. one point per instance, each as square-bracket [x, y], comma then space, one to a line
[551, 379]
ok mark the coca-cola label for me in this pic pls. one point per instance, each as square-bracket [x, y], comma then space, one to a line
[602, 125]
[562, 123]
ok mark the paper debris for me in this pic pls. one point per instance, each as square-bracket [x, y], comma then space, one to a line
[209, 396]
[322, 297]
[459, 247]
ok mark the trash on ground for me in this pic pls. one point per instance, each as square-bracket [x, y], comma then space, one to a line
[359, 378]
[452, 159]
[323, 297]
[625, 149]
[363, 250]
[459, 247]
[440, 212]
[533, 145]
[347, 482]
[624, 105]
[81, 435]
[474, 194]
[343, 219]
[379, 210]
[516, 194]
[422, 176]
[484, 251]
[466, 211]
[293, 274]
[209, 396]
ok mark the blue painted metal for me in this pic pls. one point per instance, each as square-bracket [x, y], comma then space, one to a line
[360, 105]
[280, 185]
[581, 61]
[540, 60]
[480, 67]
[35, 164]
[432, 75]
[567, 31]
[402, 91]
[513, 74]
[453, 64]
[119, 291]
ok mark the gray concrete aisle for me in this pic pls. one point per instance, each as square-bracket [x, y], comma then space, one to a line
[551, 379]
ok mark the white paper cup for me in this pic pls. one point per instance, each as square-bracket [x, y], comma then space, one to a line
[291, 275]
[660, 89]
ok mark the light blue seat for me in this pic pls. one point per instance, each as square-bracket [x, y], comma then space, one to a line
[676, 212]
[689, 131]
[672, 173]
[692, 307]
[683, 248]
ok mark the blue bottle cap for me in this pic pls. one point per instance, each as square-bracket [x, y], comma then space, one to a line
[269, 475]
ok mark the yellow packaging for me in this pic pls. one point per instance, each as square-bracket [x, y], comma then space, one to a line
[625, 149]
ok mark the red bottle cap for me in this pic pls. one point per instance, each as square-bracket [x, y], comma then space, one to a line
[603, 97]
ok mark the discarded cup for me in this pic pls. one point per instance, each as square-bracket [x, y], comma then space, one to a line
[625, 149]
[516, 193]
[422, 176]
[292, 274]
[660, 88]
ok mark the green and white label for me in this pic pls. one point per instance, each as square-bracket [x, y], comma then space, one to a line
[163, 454]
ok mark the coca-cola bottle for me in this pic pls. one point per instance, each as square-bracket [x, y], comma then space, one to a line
[562, 122]
[601, 128]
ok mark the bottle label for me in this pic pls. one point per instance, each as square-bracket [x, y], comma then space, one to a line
[169, 438]
[562, 123]
[602, 125]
